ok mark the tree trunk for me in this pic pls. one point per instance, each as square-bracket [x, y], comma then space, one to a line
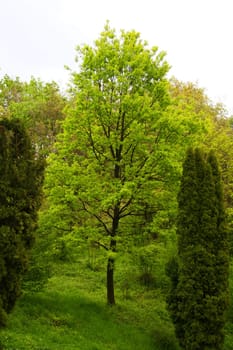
[110, 282]
[111, 263]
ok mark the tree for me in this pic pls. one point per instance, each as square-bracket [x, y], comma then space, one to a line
[21, 176]
[192, 106]
[199, 277]
[39, 106]
[207, 126]
[118, 153]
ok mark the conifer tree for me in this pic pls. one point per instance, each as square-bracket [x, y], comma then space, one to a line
[199, 294]
[21, 176]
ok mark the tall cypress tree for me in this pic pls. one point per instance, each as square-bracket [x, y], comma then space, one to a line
[199, 294]
[21, 176]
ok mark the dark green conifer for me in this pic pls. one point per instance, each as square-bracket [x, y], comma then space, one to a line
[199, 290]
[21, 176]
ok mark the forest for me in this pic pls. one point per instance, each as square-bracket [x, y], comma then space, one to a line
[116, 207]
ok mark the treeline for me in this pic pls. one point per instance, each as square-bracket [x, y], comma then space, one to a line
[114, 146]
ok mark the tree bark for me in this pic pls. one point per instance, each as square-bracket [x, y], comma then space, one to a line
[115, 224]
[110, 282]
[111, 262]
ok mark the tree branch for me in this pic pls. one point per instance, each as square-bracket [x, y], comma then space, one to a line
[101, 245]
[61, 228]
[95, 216]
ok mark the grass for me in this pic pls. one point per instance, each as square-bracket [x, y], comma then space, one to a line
[80, 324]
[71, 313]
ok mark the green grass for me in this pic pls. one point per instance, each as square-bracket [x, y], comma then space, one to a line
[55, 321]
[71, 313]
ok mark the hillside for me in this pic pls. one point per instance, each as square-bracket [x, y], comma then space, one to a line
[71, 313]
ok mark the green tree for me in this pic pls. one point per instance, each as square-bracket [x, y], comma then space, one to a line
[199, 277]
[21, 176]
[39, 105]
[192, 106]
[221, 140]
[118, 153]
[207, 126]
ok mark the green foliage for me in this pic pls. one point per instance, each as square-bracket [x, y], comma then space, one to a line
[117, 163]
[38, 105]
[146, 260]
[199, 277]
[38, 272]
[149, 261]
[221, 140]
[112, 182]
[164, 338]
[205, 124]
[20, 197]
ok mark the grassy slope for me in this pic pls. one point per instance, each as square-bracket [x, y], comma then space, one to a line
[71, 313]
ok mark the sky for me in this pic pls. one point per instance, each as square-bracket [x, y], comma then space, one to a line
[38, 37]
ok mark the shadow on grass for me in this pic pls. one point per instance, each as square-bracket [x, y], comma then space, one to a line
[54, 320]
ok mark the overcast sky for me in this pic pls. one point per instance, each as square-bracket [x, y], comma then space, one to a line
[38, 37]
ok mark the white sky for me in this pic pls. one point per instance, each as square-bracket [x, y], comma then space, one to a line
[38, 37]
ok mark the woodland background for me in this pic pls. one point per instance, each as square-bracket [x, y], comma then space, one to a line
[114, 145]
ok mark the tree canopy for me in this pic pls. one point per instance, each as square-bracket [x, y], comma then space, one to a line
[38, 105]
[114, 156]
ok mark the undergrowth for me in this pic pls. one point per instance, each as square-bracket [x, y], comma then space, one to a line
[71, 313]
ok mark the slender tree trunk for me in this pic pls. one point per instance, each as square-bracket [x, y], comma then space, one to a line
[110, 282]
[115, 224]
[111, 263]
